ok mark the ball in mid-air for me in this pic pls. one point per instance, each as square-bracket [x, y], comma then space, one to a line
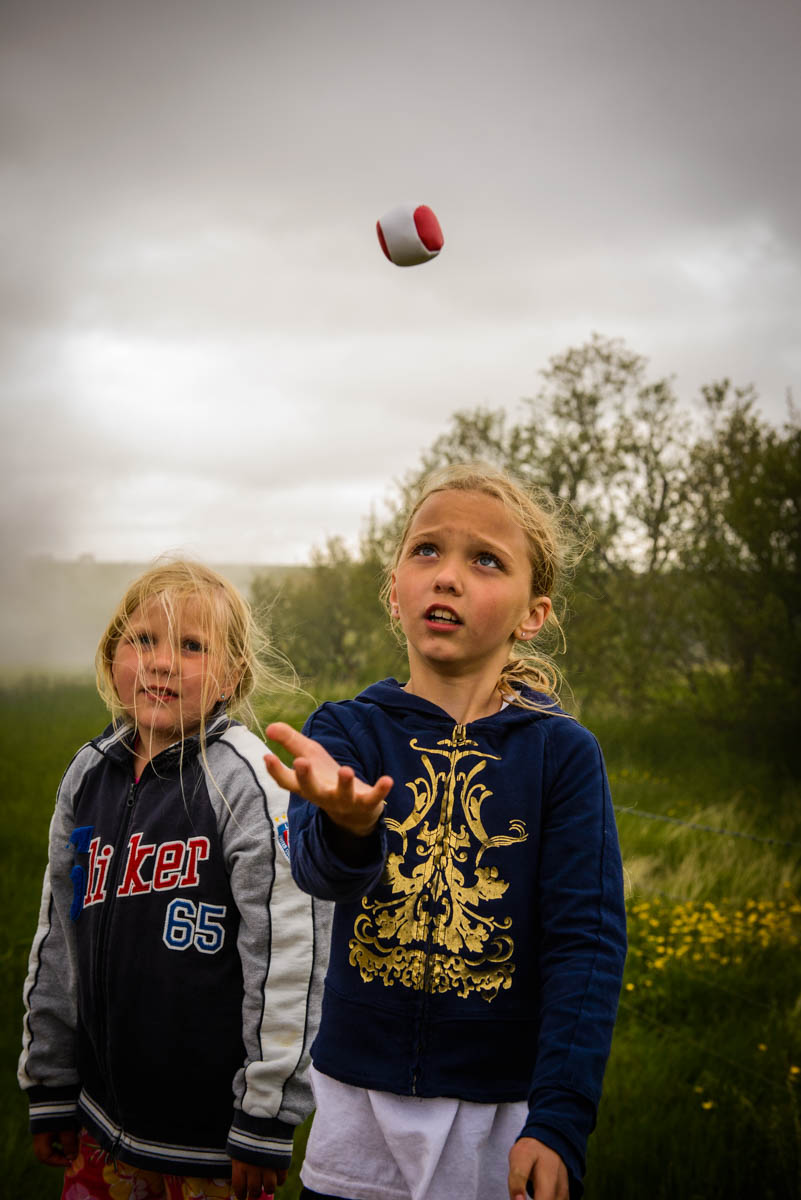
[410, 234]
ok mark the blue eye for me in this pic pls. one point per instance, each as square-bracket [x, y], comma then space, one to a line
[485, 559]
[425, 550]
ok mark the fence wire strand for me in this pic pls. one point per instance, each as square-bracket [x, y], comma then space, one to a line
[734, 833]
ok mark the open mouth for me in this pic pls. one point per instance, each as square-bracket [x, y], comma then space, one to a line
[156, 693]
[437, 615]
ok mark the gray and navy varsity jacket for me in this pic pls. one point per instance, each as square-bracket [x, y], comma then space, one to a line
[174, 980]
[479, 936]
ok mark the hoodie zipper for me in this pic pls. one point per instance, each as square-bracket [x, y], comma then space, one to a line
[101, 958]
[458, 738]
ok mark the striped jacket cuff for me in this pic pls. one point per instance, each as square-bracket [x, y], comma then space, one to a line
[53, 1108]
[264, 1141]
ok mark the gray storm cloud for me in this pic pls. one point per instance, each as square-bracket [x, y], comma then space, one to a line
[197, 325]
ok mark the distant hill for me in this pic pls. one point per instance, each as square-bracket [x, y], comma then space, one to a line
[53, 612]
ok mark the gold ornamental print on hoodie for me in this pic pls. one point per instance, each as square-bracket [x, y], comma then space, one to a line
[437, 931]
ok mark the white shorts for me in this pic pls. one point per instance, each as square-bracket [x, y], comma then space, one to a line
[368, 1145]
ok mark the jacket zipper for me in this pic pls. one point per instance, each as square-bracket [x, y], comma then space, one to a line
[100, 973]
[458, 738]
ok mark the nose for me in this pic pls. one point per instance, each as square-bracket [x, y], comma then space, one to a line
[160, 658]
[448, 577]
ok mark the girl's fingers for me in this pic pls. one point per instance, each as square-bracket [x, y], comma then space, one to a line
[69, 1143]
[381, 788]
[317, 777]
[302, 780]
[56, 1149]
[283, 776]
[346, 786]
[290, 738]
[352, 792]
[298, 778]
[302, 747]
[311, 785]
[371, 797]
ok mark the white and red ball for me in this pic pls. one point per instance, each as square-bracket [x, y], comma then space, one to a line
[410, 234]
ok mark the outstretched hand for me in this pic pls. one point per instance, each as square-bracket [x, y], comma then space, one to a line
[532, 1161]
[349, 802]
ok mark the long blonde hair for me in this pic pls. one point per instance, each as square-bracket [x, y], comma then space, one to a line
[235, 642]
[556, 541]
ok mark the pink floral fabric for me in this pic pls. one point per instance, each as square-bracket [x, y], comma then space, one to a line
[95, 1175]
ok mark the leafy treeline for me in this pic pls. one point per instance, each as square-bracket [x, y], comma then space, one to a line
[690, 598]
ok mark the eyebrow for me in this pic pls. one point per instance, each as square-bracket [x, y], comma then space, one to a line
[181, 631]
[432, 534]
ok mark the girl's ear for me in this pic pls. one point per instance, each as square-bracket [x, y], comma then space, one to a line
[229, 683]
[530, 626]
[393, 599]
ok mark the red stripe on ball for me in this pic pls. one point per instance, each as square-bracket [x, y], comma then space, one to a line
[380, 233]
[428, 229]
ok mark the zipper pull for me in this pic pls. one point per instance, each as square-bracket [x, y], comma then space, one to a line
[131, 796]
[459, 735]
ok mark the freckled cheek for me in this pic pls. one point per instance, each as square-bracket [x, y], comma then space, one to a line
[125, 670]
[196, 683]
[501, 613]
[408, 607]
[125, 677]
[494, 608]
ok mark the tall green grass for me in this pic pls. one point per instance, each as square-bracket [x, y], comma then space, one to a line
[42, 724]
[703, 1091]
[702, 1096]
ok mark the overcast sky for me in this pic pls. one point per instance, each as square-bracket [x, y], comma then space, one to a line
[203, 347]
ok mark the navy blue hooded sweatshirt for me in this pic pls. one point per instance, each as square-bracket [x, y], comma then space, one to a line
[479, 934]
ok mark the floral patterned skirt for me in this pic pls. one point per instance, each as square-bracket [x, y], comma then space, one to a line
[95, 1175]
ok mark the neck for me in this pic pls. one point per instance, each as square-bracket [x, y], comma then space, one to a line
[142, 756]
[148, 747]
[465, 698]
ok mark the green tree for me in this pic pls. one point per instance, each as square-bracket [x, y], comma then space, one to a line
[741, 558]
[614, 446]
[600, 436]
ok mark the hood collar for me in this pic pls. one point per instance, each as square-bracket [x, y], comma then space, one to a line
[389, 694]
[117, 741]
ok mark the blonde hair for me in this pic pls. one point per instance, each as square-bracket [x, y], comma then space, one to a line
[235, 643]
[556, 541]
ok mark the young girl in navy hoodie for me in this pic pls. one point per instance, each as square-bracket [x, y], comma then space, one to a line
[462, 822]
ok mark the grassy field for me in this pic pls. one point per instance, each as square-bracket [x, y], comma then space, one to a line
[703, 1090]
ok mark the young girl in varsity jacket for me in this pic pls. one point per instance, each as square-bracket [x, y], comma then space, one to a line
[462, 823]
[175, 975]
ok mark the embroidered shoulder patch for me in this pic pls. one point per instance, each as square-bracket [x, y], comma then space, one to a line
[282, 830]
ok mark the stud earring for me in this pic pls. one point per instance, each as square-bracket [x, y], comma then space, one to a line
[222, 695]
[395, 611]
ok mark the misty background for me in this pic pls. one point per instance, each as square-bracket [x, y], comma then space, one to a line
[203, 348]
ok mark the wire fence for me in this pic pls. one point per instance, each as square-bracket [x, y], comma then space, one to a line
[632, 810]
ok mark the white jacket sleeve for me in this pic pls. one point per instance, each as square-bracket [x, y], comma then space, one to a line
[283, 947]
